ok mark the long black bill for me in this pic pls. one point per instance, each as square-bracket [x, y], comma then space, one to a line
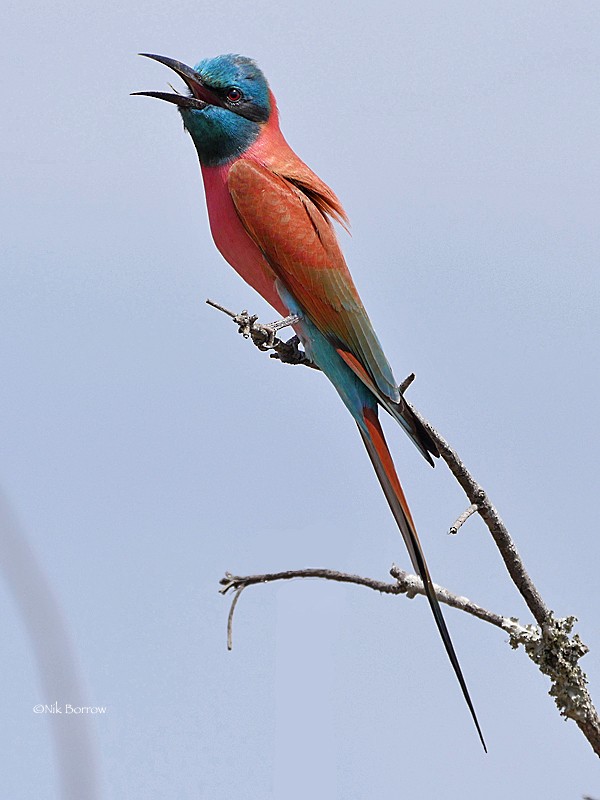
[201, 94]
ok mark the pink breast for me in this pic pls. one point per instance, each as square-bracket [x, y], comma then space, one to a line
[233, 242]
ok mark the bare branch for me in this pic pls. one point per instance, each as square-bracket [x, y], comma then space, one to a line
[236, 597]
[494, 523]
[463, 518]
[405, 583]
[219, 307]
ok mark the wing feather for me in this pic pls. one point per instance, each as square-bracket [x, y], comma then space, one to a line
[301, 246]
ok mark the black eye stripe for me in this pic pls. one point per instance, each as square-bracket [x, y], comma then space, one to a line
[240, 104]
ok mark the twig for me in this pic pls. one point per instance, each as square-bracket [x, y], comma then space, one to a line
[219, 307]
[240, 588]
[405, 583]
[463, 518]
[406, 383]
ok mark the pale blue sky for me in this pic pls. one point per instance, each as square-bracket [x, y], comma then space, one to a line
[147, 449]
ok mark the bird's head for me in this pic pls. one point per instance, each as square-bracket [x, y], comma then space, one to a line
[227, 104]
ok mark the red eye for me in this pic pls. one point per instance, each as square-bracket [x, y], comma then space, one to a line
[233, 95]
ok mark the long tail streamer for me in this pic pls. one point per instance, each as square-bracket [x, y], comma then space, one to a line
[381, 459]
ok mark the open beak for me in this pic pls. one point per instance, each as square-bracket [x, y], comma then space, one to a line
[201, 94]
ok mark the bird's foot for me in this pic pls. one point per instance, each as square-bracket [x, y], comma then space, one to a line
[290, 353]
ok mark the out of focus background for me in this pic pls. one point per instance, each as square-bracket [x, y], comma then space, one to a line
[146, 448]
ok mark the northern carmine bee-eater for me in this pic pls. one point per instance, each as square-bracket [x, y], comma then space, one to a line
[271, 219]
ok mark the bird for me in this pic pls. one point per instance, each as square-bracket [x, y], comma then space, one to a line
[271, 217]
